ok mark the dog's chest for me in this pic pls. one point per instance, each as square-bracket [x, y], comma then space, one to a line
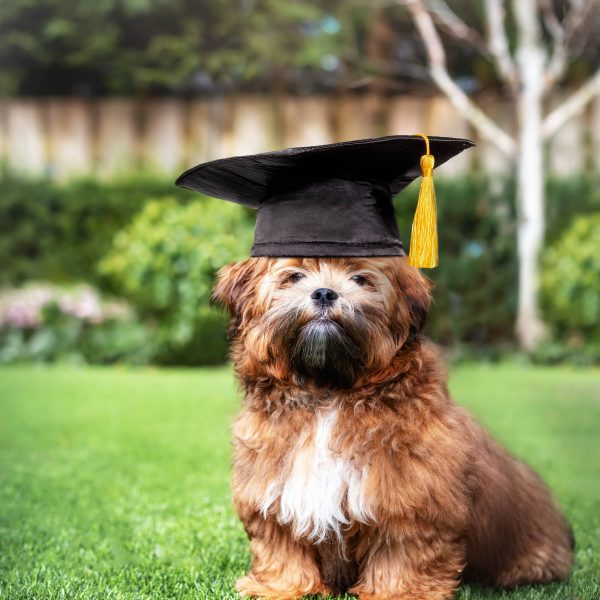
[320, 491]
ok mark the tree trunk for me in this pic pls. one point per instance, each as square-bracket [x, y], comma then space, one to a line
[530, 60]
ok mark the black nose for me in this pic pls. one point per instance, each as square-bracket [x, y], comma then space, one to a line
[324, 296]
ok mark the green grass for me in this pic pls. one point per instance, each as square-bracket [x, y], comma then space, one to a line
[115, 483]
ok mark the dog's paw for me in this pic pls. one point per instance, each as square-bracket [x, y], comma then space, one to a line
[409, 596]
[249, 587]
[405, 595]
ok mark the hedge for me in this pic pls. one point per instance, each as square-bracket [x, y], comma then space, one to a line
[164, 263]
[55, 232]
[61, 232]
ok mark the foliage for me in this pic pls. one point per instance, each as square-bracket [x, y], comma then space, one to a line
[129, 46]
[58, 232]
[475, 284]
[207, 345]
[570, 287]
[573, 351]
[566, 199]
[61, 232]
[44, 323]
[570, 292]
[571, 280]
[165, 260]
[54, 47]
[115, 482]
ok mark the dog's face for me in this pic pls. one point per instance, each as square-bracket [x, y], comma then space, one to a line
[324, 322]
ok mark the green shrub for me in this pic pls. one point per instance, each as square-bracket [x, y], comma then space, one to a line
[165, 261]
[58, 232]
[572, 352]
[566, 199]
[476, 281]
[570, 284]
[208, 345]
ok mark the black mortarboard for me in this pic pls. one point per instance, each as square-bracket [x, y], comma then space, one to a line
[326, 201]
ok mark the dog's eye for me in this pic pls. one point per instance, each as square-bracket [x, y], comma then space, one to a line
[294, 277]
[359, 279]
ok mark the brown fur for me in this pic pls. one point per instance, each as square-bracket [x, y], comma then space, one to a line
[445, 498]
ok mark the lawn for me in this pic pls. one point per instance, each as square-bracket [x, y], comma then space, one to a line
[114, 483]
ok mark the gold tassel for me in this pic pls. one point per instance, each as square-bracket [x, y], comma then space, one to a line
[424, 236]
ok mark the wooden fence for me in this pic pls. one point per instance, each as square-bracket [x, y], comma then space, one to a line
[64, 138]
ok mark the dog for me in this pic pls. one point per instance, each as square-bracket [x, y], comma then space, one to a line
[353, 469]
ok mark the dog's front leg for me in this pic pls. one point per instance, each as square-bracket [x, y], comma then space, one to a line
[282, 568]
[417, 562]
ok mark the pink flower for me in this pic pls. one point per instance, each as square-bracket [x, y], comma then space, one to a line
[22, 308]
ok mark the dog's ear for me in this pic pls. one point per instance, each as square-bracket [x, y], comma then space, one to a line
[417, 290]
[233, 289]
[231, 281]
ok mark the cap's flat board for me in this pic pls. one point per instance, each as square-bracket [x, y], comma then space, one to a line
[249, 180]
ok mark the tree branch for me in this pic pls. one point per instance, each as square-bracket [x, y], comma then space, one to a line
[439, 72]
[571, 106]
[566, 36]
[498, 43]
[577, 17]
[455, 26]
[558, 61]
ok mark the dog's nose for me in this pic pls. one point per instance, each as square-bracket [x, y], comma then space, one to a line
[324, 296]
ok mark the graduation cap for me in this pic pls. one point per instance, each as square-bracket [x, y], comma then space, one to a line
[333, 200]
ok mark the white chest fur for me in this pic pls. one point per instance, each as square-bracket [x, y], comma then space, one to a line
[319, 492]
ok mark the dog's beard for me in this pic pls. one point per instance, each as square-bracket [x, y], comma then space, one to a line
[325, 353]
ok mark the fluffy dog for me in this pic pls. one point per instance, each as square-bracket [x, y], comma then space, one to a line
[353, 469]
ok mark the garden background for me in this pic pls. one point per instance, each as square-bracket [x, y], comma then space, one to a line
[114, 479]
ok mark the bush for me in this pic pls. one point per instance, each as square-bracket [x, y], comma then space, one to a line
[47, 323]
[58, 232]
[207, 346]
[573, 352]
[573, 206]
[476, 281]
[568, 198]
[570, 284]
[165, 262]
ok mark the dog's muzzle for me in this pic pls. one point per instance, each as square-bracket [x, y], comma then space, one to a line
[324, 352]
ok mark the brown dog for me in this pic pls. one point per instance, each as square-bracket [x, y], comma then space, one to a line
[353, 468]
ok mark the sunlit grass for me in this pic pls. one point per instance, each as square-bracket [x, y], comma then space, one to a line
[115, 483]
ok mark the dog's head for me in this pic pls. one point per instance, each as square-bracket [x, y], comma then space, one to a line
[323, 322]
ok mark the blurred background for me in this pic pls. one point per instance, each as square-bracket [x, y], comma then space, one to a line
[114, 474]
[104, 103]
